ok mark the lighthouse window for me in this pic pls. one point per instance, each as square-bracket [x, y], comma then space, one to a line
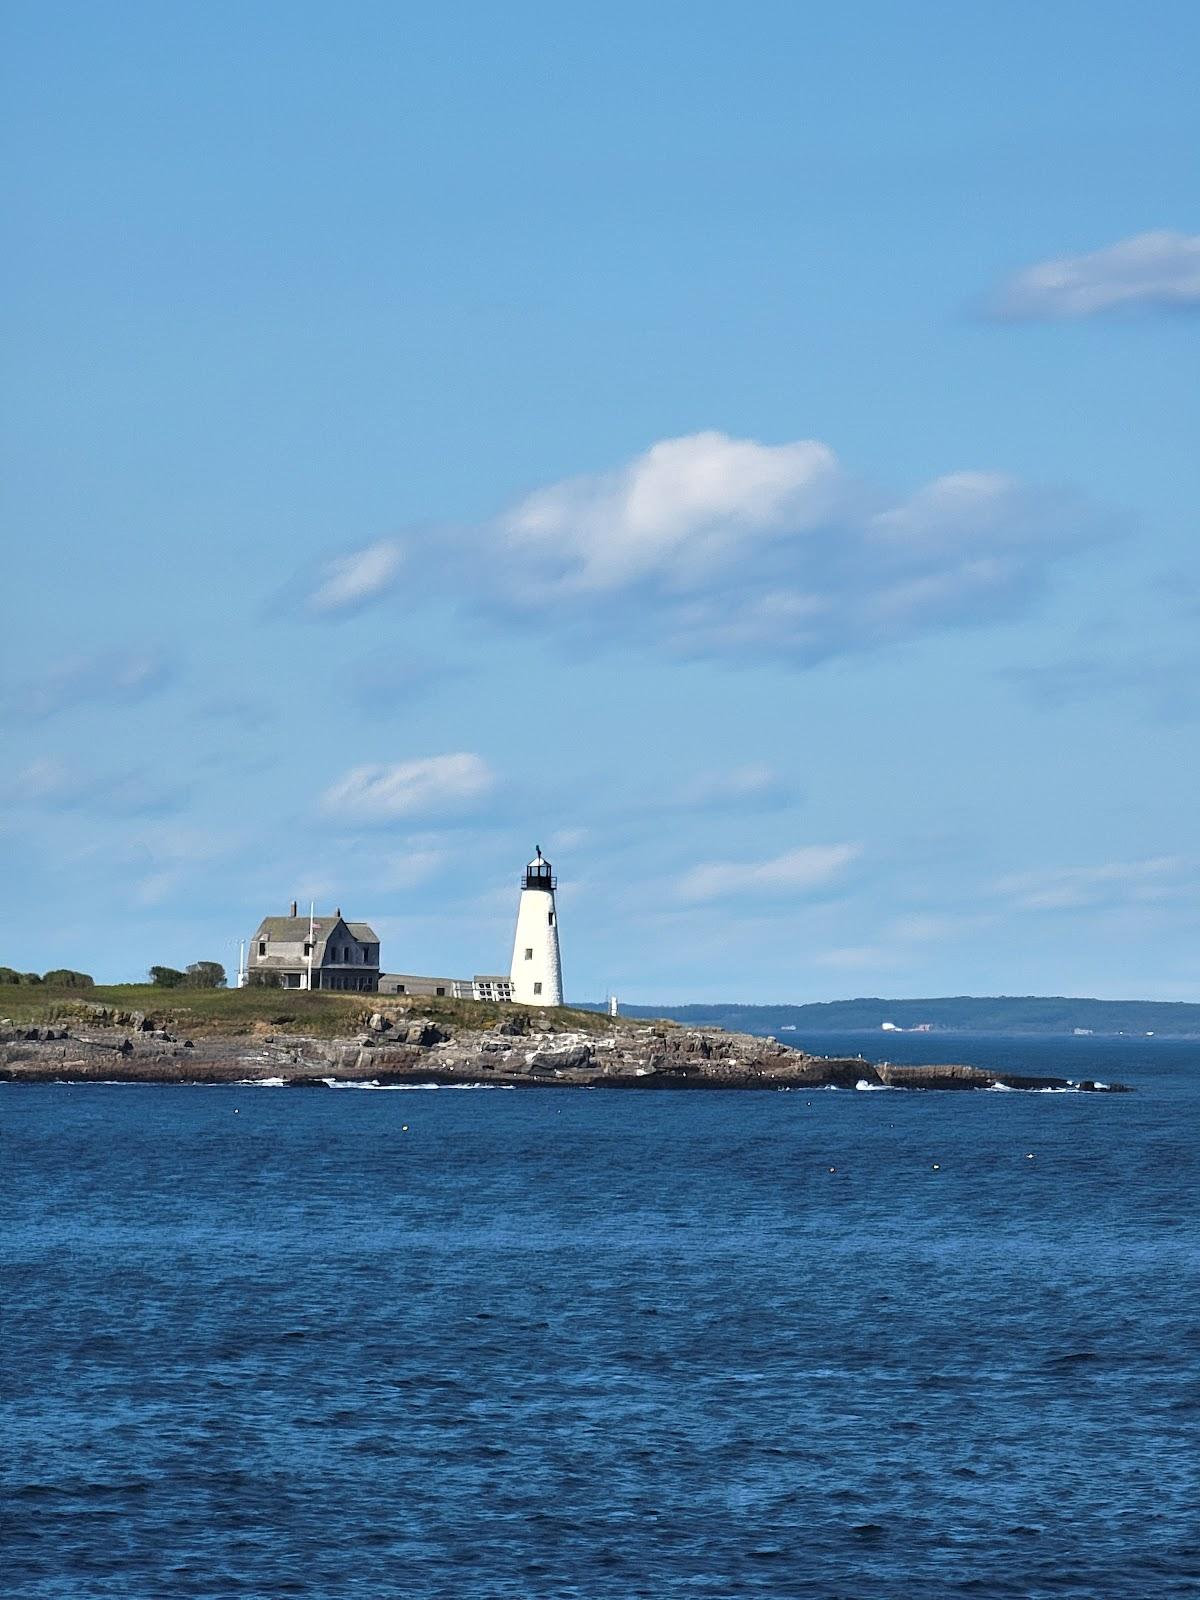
[551, 918]
[537, 988]
[529, 955]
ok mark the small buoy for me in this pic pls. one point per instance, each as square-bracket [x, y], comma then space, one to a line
[833, 1169]
[1029, 1157]
[937, 1166]
[404, 1129]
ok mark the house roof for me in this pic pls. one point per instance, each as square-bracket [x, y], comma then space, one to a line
[295, 930]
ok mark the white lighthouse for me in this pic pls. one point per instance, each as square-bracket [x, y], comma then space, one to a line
[536, 964]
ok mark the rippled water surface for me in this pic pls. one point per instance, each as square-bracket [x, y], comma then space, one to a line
[453, 1343]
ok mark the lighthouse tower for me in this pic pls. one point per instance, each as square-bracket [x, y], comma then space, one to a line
[536, 965]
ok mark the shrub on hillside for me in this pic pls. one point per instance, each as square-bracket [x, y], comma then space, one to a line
[205, 975]
[9, 975]
[263, 980]
[166, 977]
[64, 978]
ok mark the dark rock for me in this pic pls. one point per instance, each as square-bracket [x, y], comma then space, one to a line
[574, 1059]
[426, 1034]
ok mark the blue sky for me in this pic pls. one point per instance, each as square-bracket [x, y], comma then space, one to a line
[749, 451]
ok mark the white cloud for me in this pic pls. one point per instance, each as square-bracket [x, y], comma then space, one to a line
[353, 580]
[425, 787]
[1160, 269]
[683, 509]
[1149, 881]
[793, 872]
[709, 545]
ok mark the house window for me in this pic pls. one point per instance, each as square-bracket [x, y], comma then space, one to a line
[400, 989]
[441, 989]
[307, 948]
[262, 947]
[529, 955]
[537, 988]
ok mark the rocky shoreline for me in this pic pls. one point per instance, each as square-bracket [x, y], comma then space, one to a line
[519, 1051]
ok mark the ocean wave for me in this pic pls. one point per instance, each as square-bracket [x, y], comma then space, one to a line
[404, 1088]
[866, 1087]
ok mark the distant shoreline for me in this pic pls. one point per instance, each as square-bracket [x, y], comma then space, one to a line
[1007, 1016]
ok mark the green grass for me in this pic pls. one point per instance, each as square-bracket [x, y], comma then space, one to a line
[325, 1015]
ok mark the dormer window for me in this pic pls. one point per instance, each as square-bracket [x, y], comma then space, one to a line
[262, 947]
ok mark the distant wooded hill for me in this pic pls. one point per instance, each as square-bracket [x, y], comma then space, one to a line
[960, 1014]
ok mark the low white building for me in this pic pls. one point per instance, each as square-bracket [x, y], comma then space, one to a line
[481, 987]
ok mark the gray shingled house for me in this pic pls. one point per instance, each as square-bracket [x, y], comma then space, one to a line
[326, 953]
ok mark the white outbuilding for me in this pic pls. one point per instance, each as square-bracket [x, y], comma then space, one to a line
[536, 963]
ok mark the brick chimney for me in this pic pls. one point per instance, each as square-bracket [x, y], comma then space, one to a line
[293, 908]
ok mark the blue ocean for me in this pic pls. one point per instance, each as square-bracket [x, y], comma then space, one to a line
[494, 1343]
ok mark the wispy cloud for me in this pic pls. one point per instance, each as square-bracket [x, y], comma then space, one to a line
[858, 958]
[1169, 690]
[1159, 269]
[713, 546]
[1154, 879]
[430, 786]
[752, 787]
[794, 872]
[50, 784]
[349, 582]
[408, 869]
[107, 676]
[387, 681]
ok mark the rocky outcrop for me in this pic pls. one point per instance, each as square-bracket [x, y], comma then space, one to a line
[522, 1050]
[947, 1076]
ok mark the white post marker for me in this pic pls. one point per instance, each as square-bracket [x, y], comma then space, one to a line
[311, 939]
[536, 963]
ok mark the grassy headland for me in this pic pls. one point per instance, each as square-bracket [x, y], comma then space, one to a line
[320, 1014]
